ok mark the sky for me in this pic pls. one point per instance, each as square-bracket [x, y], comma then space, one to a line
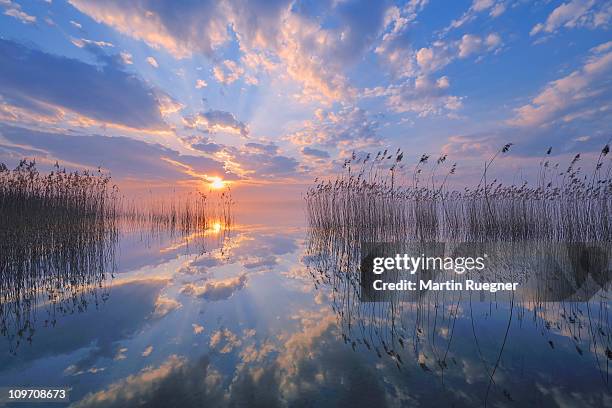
[268, 95]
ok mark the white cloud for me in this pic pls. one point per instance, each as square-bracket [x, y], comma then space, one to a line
[480, 5]
[493, 40]
[568, 94]
[477, 6]
[350, 126]
[311, 54]
[153, 62]
[472, 44]
[227, 72]
[498, 10]
[82, 42]
[13, 9]
[126, 57]
[423, 97]
[576, 13]
[200, 83]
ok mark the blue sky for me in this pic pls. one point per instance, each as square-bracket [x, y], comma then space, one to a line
[278, 92]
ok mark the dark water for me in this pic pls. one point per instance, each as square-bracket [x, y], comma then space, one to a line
[257, 316]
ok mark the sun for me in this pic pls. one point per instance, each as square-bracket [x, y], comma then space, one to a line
[217, 183]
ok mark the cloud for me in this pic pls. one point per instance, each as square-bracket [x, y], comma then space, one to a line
[471, 44]
[478, 6]
[153, 62]
[125, 157]
[433, 58]
[197, 329]
[82, 42]
[350, 126]
[126, 57]
[229, 72]
[251, 160]
[574, 14]
[13, 9]
[313, 54]
[262, 161]
[214, 121]
[423, 96]
[105, 93]
[573, 93]
[309, 151]
[215, 290]
[181, 29]
[200, 83]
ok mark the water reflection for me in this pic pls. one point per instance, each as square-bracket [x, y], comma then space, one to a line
[563, 303]
[268, 315]
[62, 266]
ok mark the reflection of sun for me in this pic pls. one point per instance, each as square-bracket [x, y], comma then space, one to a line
[216, 227]
[217, 183]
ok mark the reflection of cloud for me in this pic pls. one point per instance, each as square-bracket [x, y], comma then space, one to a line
[185, 380]
[197, 329]
[216, 289]
[164, 305]
[265, 262]
[147, 351]
[125, 312]
[121, 354]
[224, 341]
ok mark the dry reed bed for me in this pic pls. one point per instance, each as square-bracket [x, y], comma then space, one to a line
[378, 199]
[375, 200]
[59, 232]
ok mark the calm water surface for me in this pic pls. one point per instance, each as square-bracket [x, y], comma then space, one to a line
[240, 317]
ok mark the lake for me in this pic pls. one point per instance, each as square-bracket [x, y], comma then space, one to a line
[253, 314]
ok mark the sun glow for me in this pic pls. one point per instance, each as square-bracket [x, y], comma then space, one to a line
[217, 183]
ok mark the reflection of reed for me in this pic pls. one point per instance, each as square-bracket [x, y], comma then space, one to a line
[58, 236]
[367, 204]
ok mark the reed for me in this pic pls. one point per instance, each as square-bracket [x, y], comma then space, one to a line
[59, 232]
[380, 199]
